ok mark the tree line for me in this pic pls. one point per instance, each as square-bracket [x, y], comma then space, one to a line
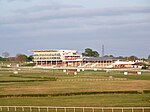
[91, 53]
[88, 52]
[18, 58]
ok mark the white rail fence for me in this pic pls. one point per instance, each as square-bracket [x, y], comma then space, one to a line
[71, 109]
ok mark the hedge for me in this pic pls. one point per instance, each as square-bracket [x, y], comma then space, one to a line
[73, 94]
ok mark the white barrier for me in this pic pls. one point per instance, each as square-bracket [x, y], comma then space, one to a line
[74, 109]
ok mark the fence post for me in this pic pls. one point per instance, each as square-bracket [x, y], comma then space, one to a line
[23, 109]
[47, 109]
[83, 109]
[142, 109]
[132, 110]
[7, 108]
[93, 109]
[74, 109]
[102, 110]
[112, 110]
[15, 109]
[30, 109]
[122, 109]
[65, 109]
[56, 109]
[1, 108]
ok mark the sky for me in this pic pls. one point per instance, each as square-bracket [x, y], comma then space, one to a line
[122, 26]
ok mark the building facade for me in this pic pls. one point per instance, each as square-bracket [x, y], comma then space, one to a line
[56, 57]
[71, 58]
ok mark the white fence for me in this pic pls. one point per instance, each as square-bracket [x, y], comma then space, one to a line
[71, 109]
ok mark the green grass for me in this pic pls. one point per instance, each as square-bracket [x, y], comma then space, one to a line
[103, 100]
[72, 85]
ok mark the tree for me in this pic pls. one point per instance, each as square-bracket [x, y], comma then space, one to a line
[149, 57]
[109, 56]
[1, 59]
[21, 58]
[90, 53]
[132, 58]
[30, 58]
[5, 55]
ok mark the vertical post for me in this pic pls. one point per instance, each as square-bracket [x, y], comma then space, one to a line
[47, 109]
[74, 109]
[7, 108]
[1, 108]
[143, 109]
[122, 109]
[92, 109]
[112, 110]
[15, 109]
[102, 110]
[83, 109]
[46, 62]
[23, 109]
[56, 109]
[65, 110]
[132, 110]
[30, 109]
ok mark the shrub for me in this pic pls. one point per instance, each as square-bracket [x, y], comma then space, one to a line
[146, 91]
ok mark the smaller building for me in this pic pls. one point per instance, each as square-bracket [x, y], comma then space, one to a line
[98, 62]
[138, 65]
[123, 64]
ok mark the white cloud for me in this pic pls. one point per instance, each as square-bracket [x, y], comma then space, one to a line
[44, 25]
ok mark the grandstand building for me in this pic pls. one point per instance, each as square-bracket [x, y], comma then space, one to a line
[57, 58]
[71, 58]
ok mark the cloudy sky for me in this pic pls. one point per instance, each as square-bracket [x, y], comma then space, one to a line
[122, 26]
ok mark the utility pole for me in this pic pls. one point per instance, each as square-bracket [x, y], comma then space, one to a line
[103, 50]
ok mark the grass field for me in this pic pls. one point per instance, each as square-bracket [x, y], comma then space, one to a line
[102, 100]
[53, 82]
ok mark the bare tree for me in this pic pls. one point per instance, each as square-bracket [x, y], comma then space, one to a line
[5, 55]
[21, 58]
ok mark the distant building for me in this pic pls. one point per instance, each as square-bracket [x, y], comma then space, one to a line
[98, 62]
[123, 64]
[71, 58]
[56, 57]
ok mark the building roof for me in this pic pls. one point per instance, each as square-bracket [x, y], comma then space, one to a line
[52, 50]
[99, 59]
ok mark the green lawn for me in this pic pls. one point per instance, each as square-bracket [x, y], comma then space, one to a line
[102, 100]
[83, 82]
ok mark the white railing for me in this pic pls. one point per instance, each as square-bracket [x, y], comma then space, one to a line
[72, 109]
[94, 65]
[87, 65]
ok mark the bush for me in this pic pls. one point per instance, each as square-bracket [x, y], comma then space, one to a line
[145, 67]
[28, 64]
[146, 91]
[37, 78]
[73, 94]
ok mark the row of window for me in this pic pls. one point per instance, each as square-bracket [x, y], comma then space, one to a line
[47, 58]
[53, 54]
